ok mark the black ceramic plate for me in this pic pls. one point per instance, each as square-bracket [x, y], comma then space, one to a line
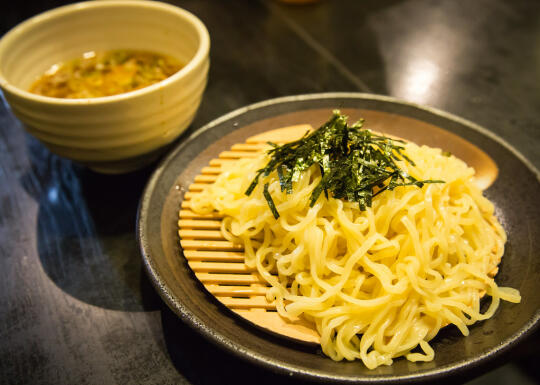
[175, 282]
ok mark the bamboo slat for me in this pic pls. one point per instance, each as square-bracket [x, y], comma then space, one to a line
[218, 263]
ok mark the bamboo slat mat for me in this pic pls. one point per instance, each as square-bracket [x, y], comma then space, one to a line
[218, 263]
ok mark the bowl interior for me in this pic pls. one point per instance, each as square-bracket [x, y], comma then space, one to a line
[34, 46]
[187, 297]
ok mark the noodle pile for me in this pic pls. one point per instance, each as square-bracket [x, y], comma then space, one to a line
[380, 283]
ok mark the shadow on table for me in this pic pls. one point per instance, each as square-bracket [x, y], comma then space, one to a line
[86, 231]
[202, 362]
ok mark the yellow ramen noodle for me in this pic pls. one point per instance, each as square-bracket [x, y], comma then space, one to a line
[380, 283]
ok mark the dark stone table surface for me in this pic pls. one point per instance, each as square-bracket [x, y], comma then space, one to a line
[75, 304]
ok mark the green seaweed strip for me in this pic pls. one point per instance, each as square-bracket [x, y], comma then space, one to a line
[270, 201]
[353, 161]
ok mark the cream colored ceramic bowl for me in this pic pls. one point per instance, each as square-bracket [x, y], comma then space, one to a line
[117, 133]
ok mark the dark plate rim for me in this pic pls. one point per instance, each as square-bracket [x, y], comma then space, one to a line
[282, 366]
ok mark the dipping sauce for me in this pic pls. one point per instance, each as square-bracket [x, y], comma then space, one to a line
[97, 74]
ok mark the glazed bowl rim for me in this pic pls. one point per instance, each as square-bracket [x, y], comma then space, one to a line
[21, 29]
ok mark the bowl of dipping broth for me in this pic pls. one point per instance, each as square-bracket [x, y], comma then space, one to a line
[108, 84]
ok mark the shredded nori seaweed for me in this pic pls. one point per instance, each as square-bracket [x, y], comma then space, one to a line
[353, 161]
